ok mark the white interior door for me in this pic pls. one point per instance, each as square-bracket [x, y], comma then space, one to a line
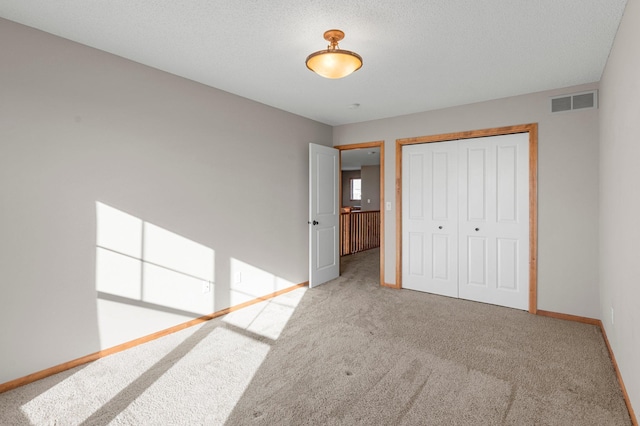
[324, 214]
[465, 219]
[430, 218]
[494, 220]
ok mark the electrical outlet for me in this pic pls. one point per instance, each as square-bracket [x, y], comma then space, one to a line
[388, 205]
[206, 287]
[612, 318]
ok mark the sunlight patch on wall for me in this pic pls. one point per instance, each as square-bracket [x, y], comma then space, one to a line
[118, 275]
[147, 277]
[177, 253]
[249, 282]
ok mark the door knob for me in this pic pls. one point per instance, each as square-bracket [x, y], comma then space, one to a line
[440, 227]
[477, 229]
[315, 222]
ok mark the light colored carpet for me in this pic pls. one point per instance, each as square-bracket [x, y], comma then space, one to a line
[348, 352]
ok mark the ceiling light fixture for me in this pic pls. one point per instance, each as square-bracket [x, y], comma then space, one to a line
[334, 62]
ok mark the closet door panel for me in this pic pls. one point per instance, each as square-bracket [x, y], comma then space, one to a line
[494, 207]
[430, 211]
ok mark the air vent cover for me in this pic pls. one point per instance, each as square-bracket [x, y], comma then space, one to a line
[575, 101]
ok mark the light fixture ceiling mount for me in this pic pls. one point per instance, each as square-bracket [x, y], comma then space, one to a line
[334, 62]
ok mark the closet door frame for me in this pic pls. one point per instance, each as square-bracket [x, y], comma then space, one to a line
[532, 130]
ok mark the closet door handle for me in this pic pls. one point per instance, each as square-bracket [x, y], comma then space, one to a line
[477, 229]
[440, 227]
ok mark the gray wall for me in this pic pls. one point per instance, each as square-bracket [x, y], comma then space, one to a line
[370, 187]
[80, 126]
[568, 186]
[620, 200]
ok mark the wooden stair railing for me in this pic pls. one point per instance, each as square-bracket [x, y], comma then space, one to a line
[359, 230]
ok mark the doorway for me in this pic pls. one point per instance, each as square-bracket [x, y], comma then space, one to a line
[366, 205]
[530, 201]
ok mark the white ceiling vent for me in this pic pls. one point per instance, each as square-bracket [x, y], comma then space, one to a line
[575, 101]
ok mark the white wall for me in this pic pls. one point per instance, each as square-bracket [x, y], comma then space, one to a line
[620, 200]
[79, 126]
[568, 186]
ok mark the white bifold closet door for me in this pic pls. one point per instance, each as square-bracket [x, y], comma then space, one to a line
[430, 218]
[465, 219]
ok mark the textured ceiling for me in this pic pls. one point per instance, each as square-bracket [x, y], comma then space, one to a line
[418, 54]
[354, 159]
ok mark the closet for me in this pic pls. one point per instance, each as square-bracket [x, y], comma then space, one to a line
[465, 219]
